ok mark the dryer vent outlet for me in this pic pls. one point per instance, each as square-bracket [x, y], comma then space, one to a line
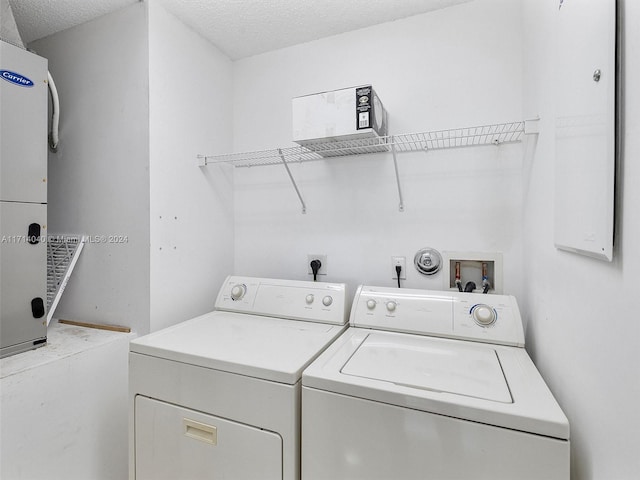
[473, 266]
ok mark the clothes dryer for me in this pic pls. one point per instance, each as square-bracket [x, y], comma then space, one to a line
[218, 396]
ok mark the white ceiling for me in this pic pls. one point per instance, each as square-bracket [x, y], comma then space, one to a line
[240, 28]
[39, 18]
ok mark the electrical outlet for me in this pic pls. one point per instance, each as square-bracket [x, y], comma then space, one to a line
[402, 261]
[323, 261]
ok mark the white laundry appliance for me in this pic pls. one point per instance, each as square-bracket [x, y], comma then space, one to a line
[218, 396]
[431, 385]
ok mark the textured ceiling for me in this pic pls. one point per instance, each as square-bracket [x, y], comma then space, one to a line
[39, 18]
[240, 28]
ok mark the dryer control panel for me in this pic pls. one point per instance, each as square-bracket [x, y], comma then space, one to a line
[291, 299]
[467, 316]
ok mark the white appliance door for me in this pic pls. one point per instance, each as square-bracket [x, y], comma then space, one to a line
[585, 160]
[423, 363]
[23, 276]
[177, 443]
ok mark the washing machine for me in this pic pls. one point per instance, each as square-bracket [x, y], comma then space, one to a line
[431, 385]
[218, 396]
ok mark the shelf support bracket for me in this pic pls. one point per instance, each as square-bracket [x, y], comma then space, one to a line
[286, 166]
[395, 166]
[532, 126]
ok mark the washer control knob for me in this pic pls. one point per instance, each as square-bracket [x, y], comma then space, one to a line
[391, 305]
[483, 315]
[371, 304]
[238, 291]
[328, 300]
[309, 298]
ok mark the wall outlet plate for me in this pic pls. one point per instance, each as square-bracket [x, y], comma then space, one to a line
[323, 260]
[402, 261]
[471, 270]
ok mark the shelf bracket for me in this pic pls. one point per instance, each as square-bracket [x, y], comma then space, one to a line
[286, 166]
[395, 166]
[532, 126]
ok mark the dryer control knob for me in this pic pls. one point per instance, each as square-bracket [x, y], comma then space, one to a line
[328, 300]
[309, 299]
[371, 304]
[238, 291]
[391, 305]
[483, 315]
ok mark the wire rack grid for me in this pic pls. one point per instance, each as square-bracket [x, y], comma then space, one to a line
[494, 134]
[62, 255]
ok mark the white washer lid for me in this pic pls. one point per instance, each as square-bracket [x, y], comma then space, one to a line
[268, 348]
[425, 363]
[532, 409]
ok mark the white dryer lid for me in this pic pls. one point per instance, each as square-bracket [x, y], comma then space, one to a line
[428, 364]
[268, 348]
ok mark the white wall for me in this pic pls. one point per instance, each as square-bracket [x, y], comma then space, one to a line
[583, 331]
[141, 98]
[456, 67]
[99, 179]
[191, 211]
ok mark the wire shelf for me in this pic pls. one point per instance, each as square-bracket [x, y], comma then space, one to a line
[495, 134]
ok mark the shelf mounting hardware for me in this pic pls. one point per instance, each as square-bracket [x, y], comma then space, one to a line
[286, 166]
[532, 126]
[395, 166]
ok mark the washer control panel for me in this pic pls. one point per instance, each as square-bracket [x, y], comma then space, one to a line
[291, 299]
[469, 316]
